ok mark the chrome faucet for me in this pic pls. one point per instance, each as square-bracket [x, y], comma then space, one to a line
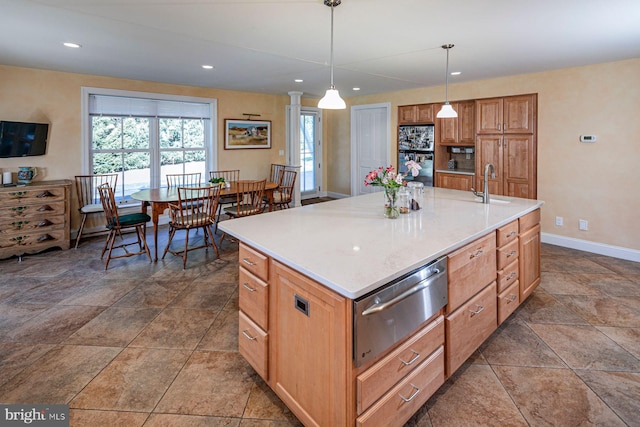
[485, 194]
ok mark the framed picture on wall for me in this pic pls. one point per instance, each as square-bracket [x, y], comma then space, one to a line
[239, 134]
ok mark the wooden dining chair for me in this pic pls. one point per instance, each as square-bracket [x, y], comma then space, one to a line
[283, 196]
[175, 180]
[275, 171]
[117, 223]
[89, 197]
[248, 200]
[196, 208]
[230, 175]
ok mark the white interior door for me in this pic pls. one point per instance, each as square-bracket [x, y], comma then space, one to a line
[310, 152]
[370, 143]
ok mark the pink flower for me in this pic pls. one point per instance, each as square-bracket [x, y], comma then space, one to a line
[413, 167]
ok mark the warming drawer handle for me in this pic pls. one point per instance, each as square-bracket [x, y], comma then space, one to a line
[248, 336]
[416, 356]
[416, 390]
[383, 305]
[249, 288]
[478, 311]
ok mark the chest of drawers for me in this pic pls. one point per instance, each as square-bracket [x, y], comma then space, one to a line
[34, 217]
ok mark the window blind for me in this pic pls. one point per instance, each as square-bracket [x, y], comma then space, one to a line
[109, 105]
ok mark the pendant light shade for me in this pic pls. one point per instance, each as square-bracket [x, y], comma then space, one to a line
[447, 111]
[331, 99]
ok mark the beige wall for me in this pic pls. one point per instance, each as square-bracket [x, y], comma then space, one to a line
[593, 181]
[597, 182]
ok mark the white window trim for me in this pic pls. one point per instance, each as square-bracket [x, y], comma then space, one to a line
[212, 128]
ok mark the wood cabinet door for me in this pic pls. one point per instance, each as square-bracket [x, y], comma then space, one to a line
[488, 116]
[489, 150]
[519, 114]
[310, 327]
[466, 123]
[406, 114]
[454, 181]
[529, 261]
[519, 168]
[448, 134]
[424, 113]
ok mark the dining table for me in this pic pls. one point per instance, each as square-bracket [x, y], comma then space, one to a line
[159, 199]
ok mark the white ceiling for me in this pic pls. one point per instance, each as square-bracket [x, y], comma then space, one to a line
[263, 45]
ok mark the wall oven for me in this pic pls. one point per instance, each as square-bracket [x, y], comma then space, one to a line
[387, 315]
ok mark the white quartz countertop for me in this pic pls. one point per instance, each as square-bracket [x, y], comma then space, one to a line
[350, 247]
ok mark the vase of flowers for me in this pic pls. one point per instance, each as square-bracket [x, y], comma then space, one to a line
[391, 181]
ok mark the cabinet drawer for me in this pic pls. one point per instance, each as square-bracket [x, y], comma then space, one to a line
[379, 378]
[469, 326]
[507, 233]
[507, 253]
[254, 261]
[508, 301]
[254, 298]
[508, 275]
[529, 220]
[397, 406]
[253, 344]
[470, 269]
[24, 210]
[32, 195]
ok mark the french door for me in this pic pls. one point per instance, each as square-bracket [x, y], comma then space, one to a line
[310, 153]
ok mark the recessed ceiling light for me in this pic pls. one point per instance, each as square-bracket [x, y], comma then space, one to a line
[356, 88]
[298, 80]
[72, 45]
[456, 73]
[208, 67]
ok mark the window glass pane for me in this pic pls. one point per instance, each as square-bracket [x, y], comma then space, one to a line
[170, 133]
[106, 133]
[170, 162]
[194, 161]
[136, 133]
[137, 172]
[193, 133]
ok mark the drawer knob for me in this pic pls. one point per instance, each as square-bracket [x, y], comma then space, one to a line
[249, 337]
[249, 288]
[513, 233]
[477, 311]
[512, 253]
[416, 390]
[477, 254]
[511, 298]
[512, 275]
[248, 262]
[415, 357]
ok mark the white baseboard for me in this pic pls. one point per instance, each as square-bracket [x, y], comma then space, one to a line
[593, 247]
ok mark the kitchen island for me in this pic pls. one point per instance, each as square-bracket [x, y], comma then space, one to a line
[301, 269]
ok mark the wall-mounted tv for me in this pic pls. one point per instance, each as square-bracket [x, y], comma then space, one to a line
[18, 139]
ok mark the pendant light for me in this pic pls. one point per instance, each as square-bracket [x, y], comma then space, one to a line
[332, 100]
[447, 111]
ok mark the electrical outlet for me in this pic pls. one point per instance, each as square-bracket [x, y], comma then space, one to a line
[583, 225]
[559, 221]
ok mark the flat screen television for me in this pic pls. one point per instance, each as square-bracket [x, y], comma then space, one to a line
[18, 139]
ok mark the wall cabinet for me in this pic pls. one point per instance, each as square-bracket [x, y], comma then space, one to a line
[416, 114]
[458, 130]
[34, 217]
[511, 114]
[455, 181]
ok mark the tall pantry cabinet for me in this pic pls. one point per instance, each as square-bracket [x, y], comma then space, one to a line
[506, 138]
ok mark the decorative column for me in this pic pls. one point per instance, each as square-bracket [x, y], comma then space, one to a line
[293, 140]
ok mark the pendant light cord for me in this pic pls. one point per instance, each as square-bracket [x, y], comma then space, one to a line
[332, 86]
[446, 78]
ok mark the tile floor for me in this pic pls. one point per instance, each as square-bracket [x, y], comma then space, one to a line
[150, 344]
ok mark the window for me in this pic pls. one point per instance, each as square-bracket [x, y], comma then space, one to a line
[145, 138]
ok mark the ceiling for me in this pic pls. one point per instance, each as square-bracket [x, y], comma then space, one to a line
[263, 45]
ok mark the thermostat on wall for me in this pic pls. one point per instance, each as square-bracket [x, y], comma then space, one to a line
[587, 138]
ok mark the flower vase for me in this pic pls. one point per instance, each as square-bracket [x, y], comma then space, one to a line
[391, 203]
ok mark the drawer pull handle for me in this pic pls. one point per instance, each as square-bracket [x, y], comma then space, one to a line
[512, 253]
[512, 275]
[249, 337]
[248, 262]
[511, 298]
[46, 194]
[249, 288]
[45, 208]
[477, 254]
[478, 311]
[416, 356]
[416, 390]
[513, 233]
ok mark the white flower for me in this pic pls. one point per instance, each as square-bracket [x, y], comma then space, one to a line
[413, 167]
[399, 178]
